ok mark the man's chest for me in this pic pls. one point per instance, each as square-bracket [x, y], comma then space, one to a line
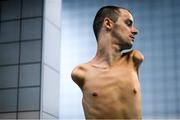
[111, 80]
[116, 74]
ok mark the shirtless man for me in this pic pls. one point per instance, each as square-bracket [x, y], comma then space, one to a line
[109, 82]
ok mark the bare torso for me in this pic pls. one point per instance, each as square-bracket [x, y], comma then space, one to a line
[111, 92]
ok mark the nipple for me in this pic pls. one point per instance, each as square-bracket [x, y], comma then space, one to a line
[134, 91]
[94, 94]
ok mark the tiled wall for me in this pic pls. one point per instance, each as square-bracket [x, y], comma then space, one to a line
[158, 22]
[51, 60]
[20, 58]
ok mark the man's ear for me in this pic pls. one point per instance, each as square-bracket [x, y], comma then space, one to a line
[107, 23]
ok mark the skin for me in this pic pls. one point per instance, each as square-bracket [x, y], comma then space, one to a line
[109, 82]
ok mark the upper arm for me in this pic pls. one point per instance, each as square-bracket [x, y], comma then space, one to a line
[77, 76]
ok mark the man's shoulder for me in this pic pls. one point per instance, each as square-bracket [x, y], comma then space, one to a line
[137, 58]
[137, 55]
[78, 74]
[79, 71]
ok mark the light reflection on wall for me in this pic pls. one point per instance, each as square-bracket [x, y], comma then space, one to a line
[78, 45]
[158, 23]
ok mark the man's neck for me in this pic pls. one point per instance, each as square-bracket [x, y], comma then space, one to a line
[107, 52]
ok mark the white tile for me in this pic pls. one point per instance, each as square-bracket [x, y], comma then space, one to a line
[53, 11]
[51, 46]
[46, 116]
[50, 95]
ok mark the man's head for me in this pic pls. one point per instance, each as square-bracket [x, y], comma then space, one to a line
[118, 21]
[111, 12]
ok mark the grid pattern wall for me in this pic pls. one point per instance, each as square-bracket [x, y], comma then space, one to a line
[158, 22]
[20, 58]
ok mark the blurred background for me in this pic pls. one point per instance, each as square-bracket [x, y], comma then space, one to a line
[41, 41]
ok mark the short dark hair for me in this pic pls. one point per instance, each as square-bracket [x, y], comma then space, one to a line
[111, 12]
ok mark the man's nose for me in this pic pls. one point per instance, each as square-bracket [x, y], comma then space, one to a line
[134, 31]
